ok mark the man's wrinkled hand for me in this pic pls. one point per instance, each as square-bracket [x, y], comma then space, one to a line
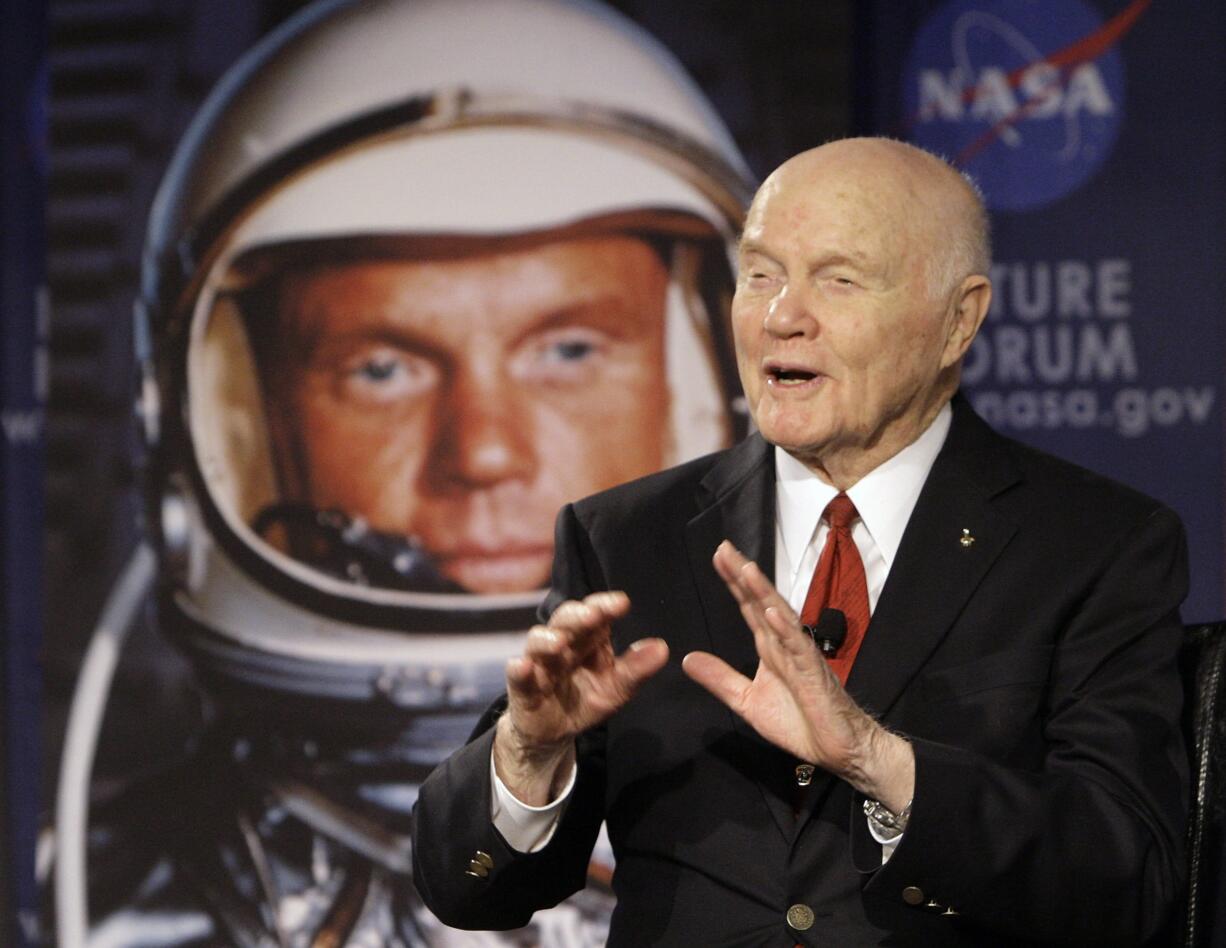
[567, 681]
[794, 699]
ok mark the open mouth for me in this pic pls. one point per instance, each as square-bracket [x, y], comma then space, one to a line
[787, 375]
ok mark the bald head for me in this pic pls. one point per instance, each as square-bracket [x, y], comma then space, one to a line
[861, 283]
[938, 209]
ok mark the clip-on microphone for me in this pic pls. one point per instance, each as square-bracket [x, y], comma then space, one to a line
[830, 631]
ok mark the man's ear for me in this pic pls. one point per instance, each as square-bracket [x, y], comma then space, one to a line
[970, 306]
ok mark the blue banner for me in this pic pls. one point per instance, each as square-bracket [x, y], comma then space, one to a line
[23, 383]
[1095, 132]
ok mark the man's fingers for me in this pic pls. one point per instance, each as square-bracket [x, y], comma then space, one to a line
[527, 681]
[613, 686]
[613, 603]
[792, 639]
[519, 673]
[745, 577]
[590, 613]
[769, 617]
[640, 661]
[746, 581]
[733, 567]
[718, 677]
[577, 628]
[728, 561]
[532, 684]
[544, 642]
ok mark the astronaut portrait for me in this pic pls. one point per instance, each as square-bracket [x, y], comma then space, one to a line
[408, 288]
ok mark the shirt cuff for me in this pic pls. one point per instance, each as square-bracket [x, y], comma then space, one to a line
[888, 842]
[527, 829]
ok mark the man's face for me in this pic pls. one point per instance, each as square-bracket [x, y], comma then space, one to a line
[463, 401]
[839, 344]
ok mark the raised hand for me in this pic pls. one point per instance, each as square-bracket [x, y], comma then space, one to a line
[566, 681]
[794, 700]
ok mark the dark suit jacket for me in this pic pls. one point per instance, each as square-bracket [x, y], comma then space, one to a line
[1033, 668]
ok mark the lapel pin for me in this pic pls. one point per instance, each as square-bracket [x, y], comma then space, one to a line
[966, 539]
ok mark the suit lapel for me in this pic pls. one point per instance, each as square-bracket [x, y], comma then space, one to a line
[737, 498]
[737, 503]
[938, 565]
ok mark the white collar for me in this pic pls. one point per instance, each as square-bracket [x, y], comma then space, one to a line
[884, 497]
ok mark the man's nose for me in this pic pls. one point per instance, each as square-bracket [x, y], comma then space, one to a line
[484, 434]
[791, 312]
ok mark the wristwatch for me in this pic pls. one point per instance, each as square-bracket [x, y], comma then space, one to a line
[886, 820]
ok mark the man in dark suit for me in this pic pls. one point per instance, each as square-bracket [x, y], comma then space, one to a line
[1003, 762]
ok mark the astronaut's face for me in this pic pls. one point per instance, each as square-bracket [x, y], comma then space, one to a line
[463, 400]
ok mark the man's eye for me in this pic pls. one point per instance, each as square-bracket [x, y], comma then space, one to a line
[571, 350]
[384, 375]
[378, 370]
[561, 356]
[569, 346]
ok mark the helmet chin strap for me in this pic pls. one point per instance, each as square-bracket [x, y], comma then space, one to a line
[351, 549]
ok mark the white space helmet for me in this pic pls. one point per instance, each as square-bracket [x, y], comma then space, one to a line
[364, 128]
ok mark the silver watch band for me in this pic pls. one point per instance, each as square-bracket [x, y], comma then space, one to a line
[886, 820]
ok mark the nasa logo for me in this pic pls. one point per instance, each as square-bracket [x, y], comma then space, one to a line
[1026, 95]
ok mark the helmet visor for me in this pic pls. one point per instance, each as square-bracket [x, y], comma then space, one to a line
[403, 415]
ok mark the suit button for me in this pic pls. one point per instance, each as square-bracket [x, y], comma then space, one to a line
[800, 917]
[913, 895]
[480, 865]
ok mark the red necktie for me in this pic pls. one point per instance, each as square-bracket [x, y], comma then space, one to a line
[838, 583]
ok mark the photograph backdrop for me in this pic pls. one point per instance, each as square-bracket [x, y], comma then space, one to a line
[1095, 129]
[126, 79]
[23, 392]
[1096, 133]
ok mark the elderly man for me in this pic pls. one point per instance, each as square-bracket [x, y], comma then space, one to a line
[989, 751]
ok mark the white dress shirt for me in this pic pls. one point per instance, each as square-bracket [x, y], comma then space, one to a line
[884, 499]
